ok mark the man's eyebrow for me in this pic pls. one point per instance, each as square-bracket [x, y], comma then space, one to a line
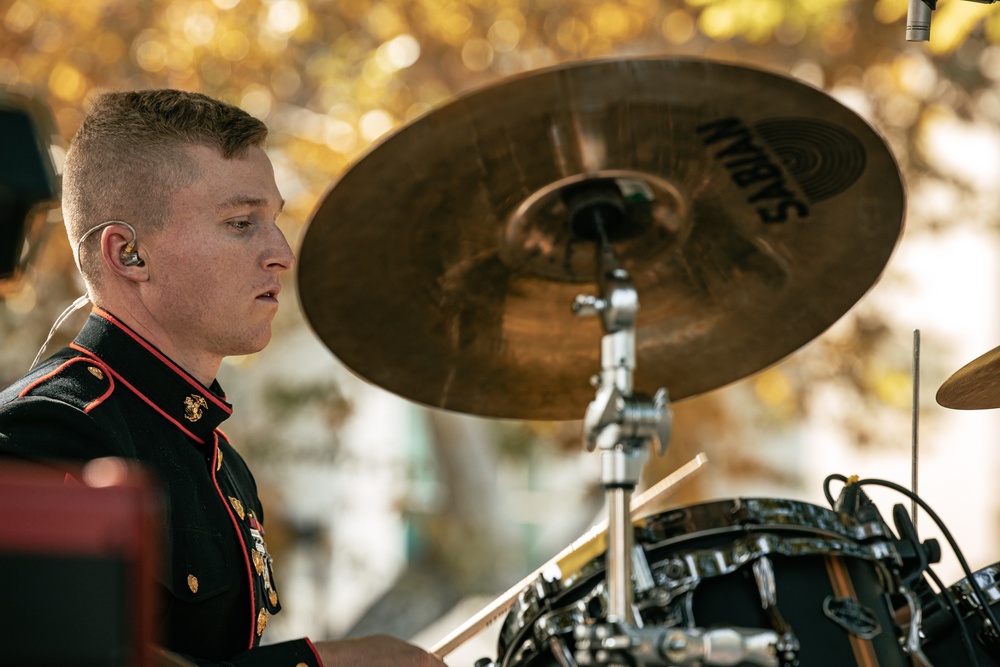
[243, 201]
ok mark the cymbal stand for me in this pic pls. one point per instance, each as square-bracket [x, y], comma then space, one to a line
[619, 421]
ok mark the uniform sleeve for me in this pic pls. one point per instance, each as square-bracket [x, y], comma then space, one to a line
[295, 653]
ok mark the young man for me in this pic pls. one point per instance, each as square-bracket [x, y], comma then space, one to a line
[170, 203]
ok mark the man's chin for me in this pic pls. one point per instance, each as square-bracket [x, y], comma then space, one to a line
[251, 346]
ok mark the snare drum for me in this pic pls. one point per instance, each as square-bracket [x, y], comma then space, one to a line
[943, 643]
[831, 576]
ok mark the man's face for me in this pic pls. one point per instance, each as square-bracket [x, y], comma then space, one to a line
[214, 267]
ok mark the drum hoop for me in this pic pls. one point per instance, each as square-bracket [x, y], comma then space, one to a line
[756, 514]
[988, 579]
[713, 562]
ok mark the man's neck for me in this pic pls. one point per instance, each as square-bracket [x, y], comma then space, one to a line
[201, 366]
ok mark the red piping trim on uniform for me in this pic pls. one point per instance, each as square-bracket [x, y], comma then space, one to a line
[111, 385]
[239, 534]
[313, 649]
[166, 360]
[93, 404]
[146, 400]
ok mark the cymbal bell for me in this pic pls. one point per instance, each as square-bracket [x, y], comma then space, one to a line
[975, 386]
[754, 210]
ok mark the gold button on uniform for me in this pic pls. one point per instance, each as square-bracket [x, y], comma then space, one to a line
[258, 561]
[302, 664]
[261, 621]
[193, 583]
[237, 505]
[96, 372]
[273, 597]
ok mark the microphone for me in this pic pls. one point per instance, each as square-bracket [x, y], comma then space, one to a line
[918, 20]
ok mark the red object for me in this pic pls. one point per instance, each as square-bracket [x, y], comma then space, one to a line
[81, 543]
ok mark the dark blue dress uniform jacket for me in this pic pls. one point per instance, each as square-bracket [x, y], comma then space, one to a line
[111, 393]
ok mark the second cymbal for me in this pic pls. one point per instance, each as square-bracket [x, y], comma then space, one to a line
[442, 267]
[975, 386]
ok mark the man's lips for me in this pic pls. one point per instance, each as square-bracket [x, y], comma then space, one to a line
[270, 294]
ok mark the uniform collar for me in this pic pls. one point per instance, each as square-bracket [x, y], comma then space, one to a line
[166, 387]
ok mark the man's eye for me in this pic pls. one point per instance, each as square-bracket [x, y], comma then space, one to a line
[240, 224]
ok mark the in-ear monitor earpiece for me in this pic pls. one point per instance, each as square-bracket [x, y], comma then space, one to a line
[128, 256]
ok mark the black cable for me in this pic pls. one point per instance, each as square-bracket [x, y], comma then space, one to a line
[959, 620]
[826, 488]
[983, 607]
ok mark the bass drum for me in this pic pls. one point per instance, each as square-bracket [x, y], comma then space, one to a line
[943, 642]
[833, 580]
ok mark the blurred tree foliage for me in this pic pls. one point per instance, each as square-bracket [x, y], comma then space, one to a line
[331, 76]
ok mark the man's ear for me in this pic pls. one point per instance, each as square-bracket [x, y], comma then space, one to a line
[122, 254]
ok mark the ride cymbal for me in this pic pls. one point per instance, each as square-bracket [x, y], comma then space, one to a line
[975, 386]
[754, 211]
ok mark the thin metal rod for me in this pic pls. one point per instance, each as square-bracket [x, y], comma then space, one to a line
[916, 419]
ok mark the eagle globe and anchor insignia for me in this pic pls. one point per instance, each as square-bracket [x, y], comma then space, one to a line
[193, 406]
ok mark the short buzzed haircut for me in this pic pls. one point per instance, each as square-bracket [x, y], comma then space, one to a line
[127, 159]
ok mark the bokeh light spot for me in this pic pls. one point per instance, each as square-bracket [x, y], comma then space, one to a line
[257, 101]
[284, 16]
[573, 34]
[374, 124]
[21, 16]
[504, 35]
[477, 54]
[398, 53]
[150, 54]
[678, 27]
[199, 28]
[234, 45]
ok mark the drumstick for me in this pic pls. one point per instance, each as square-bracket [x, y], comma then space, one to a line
[570, 559]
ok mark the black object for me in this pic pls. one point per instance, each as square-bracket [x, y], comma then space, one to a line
[28, 177]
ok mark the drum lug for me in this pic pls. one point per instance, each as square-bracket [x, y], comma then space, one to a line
[763, 573]
[911, 643]
[549, 582]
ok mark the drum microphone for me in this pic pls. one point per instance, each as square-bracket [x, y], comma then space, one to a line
[918, 20]
[854, 502]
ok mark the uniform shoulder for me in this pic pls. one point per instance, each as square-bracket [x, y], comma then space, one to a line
[66, 376]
